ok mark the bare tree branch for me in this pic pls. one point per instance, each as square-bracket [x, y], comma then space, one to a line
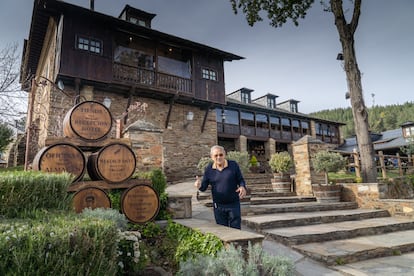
[13, 101]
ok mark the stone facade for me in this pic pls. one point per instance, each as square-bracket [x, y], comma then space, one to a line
[175, 149]
[302, 150]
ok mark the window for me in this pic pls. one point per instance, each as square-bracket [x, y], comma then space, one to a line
[305, 128]
[286, 124]
[274, 123]
[261, 120]
[209, 74]
[245, 97]
[247, 119]
[294, 107]
[271, 103]
[408, 131]
[90, 45]
[228, 117]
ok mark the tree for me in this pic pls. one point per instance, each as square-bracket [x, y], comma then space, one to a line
[12, 99]
[279, 11]
[6, 136]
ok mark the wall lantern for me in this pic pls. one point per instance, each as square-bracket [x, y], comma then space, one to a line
[107, 102]
[190, 116]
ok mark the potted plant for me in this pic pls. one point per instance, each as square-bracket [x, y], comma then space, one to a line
[254, 165]
[281, 163]
[324, 162]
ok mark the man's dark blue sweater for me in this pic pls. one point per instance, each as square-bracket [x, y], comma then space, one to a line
[223, 183]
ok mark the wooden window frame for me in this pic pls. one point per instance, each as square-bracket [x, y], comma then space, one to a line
[209, 74]
[89, 44]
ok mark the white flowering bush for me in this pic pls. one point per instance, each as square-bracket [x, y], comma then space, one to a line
[129, 252]
[281, 162]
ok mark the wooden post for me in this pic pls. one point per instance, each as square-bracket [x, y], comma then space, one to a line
[382, 163]
[119, 128]
[400, 170]
[356, 162]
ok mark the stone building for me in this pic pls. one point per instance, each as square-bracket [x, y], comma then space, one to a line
[75, 54]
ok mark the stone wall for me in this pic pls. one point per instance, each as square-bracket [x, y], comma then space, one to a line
[180, 206]
[302, 151]
[397, 196]
[175, 148]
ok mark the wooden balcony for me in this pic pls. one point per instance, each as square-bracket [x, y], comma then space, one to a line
[139, 76]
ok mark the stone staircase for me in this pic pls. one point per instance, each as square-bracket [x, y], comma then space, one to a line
[332, 233]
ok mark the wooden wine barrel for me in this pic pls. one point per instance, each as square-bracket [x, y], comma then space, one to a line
[88, 120]
[114, 163]
[91, 197]
[281, 183]
[327, 193]
[140, 203]
[61, 157]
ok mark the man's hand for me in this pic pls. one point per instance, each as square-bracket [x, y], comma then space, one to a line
[197, 183]
[242, 192]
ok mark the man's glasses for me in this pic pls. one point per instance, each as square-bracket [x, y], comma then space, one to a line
[220, 154]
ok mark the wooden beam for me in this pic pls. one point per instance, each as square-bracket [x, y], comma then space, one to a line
[172, 101]
[205, 118]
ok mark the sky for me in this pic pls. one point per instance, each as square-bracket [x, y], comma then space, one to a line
[291, 62]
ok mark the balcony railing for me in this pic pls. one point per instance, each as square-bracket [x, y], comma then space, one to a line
[146, 77]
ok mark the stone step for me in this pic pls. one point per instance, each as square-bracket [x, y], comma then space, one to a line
[267, 196]
[358, 249]
[337, 230]
[262, 222]
[253, 209]
[226, 234]
[283, 199]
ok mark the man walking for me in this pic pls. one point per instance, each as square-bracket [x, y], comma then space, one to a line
[227, 187]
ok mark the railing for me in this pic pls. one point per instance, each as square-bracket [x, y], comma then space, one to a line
[150, 78]
[386, 164]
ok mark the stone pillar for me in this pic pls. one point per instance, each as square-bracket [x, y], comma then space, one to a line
[270, 148]
[313, 128]
[303, 150]
[241, 143]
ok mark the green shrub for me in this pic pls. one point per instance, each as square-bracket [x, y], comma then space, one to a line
[281, 162]
[25, 193]
[108, 214]
[115, 196]
[189, 243]
[328, 161]
[242, 158]
[231, 261]
[253, 161]
[203, 163]
[59, 245]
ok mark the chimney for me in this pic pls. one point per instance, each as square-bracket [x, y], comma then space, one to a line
[92, 4]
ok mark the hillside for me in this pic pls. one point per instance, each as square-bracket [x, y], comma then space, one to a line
[381, 118]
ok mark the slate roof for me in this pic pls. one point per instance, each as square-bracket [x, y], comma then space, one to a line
[386, 140]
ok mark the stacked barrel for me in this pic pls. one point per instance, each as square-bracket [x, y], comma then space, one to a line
[113, 162]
